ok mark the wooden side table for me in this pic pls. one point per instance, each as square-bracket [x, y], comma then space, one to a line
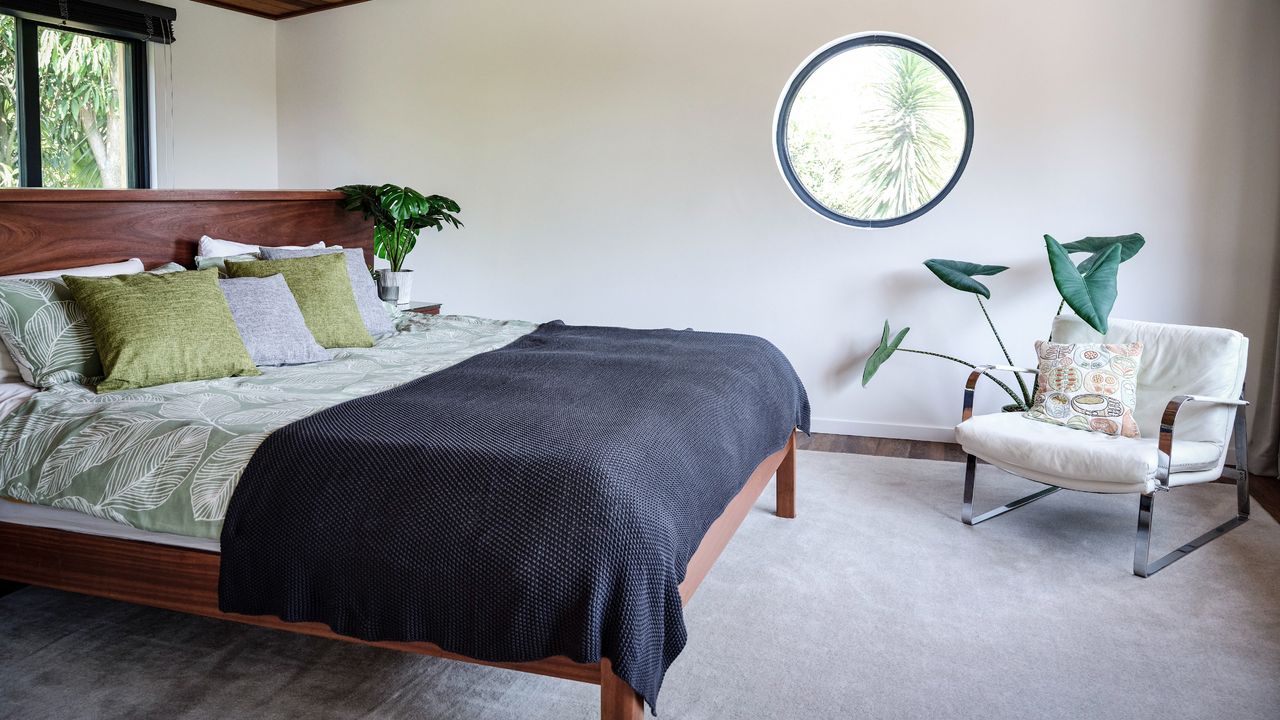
[424, 308]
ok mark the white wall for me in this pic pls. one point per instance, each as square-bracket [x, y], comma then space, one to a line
[613, 160]
[221, 78]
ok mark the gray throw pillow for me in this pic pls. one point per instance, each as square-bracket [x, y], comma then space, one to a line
[372, 311]
[270, 322]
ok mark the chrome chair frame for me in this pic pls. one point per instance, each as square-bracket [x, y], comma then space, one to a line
[1142, 564]
[971, 462]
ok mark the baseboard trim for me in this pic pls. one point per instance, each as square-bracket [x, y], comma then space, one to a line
[884, 430]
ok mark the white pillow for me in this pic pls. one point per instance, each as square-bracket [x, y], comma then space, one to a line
[8, 368]
[128, 267]
[213, 247]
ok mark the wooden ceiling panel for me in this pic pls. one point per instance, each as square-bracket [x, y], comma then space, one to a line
[278, 9]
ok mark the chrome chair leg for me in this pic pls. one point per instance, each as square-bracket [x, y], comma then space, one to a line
[1242, 464]
[966, 512]
[1142, 566]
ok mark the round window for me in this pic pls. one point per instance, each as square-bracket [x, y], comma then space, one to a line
[873, 130]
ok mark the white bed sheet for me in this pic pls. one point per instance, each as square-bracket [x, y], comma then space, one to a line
[13, 395]
[59, 519]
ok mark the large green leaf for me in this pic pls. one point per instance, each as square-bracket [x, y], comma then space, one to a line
[443, 203]
[959, 274]
[439, 209]
[882, 353]
[403, 203]
[364, 199]
[1129, 246]
[1091, 295]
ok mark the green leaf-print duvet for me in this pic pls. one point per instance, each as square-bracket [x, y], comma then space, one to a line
[167, 458]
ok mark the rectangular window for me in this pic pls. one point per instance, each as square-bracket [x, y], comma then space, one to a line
[73, 107]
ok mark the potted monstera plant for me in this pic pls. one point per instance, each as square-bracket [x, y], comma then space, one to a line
[1088, 288]
[399, 214]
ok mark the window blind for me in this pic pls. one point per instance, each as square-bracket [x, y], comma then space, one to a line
[129, 18]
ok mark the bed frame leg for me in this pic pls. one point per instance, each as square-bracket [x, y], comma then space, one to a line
[787, 481]
[617, 700]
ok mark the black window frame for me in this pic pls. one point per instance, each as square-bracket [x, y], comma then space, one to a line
[136, 101]
[783, 114]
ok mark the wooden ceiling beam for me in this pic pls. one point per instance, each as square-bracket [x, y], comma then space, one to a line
[318, 7]
[278, 9]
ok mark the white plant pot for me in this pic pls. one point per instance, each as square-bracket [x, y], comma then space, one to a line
[396, 287]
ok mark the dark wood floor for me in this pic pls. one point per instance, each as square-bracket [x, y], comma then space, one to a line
[1265, 491]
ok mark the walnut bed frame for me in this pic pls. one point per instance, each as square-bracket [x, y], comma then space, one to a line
[49, 229]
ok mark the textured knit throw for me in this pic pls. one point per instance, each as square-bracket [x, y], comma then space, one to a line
[541, 499]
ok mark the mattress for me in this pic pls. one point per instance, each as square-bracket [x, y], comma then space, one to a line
[20, 513]
[167, 459]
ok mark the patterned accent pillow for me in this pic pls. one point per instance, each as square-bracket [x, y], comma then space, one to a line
[270, 322]
[372, 310]
[1088, 386]
[47, 333]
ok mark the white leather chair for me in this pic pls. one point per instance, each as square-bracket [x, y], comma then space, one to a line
[1190, 379]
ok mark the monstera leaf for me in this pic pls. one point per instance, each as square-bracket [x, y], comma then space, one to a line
[882, 353]
[959, 274]
[403, 203]
[364, 200]
[440, 209]
[1129, 246]
[1090, 294]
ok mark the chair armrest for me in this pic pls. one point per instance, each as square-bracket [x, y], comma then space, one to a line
[1167, 421]
[972, 383]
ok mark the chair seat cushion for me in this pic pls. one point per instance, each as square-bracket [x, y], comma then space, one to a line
[1093, 462]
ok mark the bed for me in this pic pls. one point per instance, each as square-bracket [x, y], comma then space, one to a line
[176, 565]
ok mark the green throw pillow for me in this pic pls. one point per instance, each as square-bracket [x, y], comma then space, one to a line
[322, 288]
[47, 333]
[158, 329]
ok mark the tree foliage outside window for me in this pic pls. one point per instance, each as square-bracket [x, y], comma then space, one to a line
[875, 133]
[83, 122]
[8, 103]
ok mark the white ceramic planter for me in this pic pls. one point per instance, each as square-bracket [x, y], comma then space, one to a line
[396, 287]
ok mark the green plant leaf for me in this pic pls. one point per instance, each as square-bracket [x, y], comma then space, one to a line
[1091, 295]
[403, 203]
[398, 214]
[882, 353]
[959, 274]
[364, 199]
[443, 203]
[1129, 246]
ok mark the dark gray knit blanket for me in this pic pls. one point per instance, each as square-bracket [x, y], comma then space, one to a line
[541, 499]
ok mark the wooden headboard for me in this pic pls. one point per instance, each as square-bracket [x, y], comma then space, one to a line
[52, 229]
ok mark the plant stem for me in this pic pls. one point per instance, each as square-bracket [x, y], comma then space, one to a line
[1022, 385]
[993, 379]
[398, 252]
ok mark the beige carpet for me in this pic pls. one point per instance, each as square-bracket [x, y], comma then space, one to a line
[875, 603]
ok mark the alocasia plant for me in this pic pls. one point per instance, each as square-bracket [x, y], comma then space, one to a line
[1089, 289]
